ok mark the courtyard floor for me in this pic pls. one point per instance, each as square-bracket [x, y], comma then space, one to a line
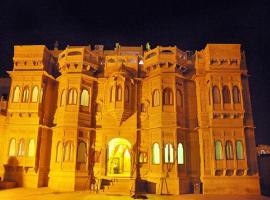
[48, 194]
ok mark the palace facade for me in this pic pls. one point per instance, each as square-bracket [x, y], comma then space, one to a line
[160, 120]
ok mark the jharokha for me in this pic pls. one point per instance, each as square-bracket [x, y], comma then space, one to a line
[160, 120]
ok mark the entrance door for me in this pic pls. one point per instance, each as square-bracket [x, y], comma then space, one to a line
[119, 161]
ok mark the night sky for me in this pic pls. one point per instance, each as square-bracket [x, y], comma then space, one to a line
[188, 25]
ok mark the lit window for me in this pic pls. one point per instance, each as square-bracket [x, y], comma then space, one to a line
[168, 153]
[34, 94]
[216, 95]
[179, 98]
[31, 148]
[68, 153]
[156, 98]
[59, 148]
[236, 94]
[119, 93]
[85, 98]
[167, 96]
[156, 153]
[16, 94]
[239, 150]
[12, 147]
[72, 96]
[21, 148]
[218, 150]
[229, 150]
[226, 94]
[143, 157]
[180, 154]
[63, 97]
[81, 153]
[25, 94]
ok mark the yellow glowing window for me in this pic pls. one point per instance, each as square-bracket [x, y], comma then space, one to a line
[16, 94]
[167, 96]
[63, 97]
[72, 96]
[68, 155]
[229, 150]
[31, 148]
[34, 94]
[21, 148]
[156, 153]
[168, 153]
[239, 150]
[85, 97]
[143, 157]
[12, 147]
[180, 153]
[218, 150]
[25, 94]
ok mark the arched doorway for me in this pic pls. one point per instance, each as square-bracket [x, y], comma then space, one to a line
[119, 158]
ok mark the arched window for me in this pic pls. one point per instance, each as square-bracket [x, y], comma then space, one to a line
[31, 148]
[21, 147]
[229, 150]
[179, 98]
[68, 152]
[63, 97]
[119, 93]
[180, 154]
[156, 98]
[41, 95]
[239, 150]
[167, 96]
[85, 97]
[81, 152]
[216, 95]
[12, 147]
[168, 153]
[236, 94]
[72, 96]
[156, 153]
[59, 149]
[218, 150]
[25, 94]
[112, 94]
[16, 94]
[126, 93]
[143, 157]
[226, 94]
[34, 94]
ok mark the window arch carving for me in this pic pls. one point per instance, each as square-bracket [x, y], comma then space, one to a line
[156, 98]
[226, 94]
[216, 95]
[167, 96]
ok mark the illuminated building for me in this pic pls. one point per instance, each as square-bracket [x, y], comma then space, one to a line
[96, 119]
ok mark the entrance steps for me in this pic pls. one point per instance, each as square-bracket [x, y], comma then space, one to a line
[117, 185]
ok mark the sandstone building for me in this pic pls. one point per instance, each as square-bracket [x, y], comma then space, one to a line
[171, 121]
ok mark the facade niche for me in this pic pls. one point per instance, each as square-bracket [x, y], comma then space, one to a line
[156, 98]
[167, 96]
[236, 95]
[226, 94]
[25, 94]
[216, 95]
[72, 96]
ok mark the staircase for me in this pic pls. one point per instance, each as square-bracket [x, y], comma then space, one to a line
[119, 185]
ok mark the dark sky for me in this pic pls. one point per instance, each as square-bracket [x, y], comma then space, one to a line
[187, 24]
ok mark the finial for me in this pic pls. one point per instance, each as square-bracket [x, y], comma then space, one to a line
[56, 44]
[117, 45]
[147, 46]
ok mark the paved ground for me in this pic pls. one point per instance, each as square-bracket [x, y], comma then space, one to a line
[48, 194]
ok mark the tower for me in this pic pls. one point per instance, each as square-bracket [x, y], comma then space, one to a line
[72, 135]
[226, 130]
